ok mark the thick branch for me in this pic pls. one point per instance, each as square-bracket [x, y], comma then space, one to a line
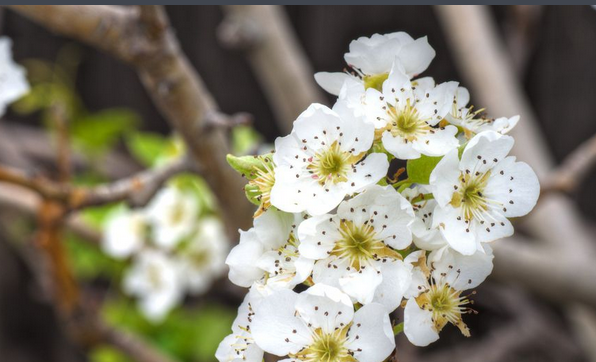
[276, 56]
[173, 84]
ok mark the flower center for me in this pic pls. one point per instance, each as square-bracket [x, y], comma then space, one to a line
[470, 195]
[446, 306]
[327, 347]
[406, 122]
[375, 81]
[332, 164]
[360, 244]
[264, 183]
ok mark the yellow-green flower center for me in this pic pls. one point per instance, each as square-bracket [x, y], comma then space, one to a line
[446, 306]
[406, 122]
[375, 81]
[264, 183]
[470, 195]
[332, 164]
[360, 244]
[327, 347]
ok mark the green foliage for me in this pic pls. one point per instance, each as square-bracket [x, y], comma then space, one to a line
[199, 187]
[244, 139]
[247, 165]
[107, 354]
[151, 148]
[190, 335]
[99, 132]
[88, 262]
[419, 169]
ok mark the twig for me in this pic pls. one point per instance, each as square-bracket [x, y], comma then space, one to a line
[574, 169]
[275, 55]
[170, 80]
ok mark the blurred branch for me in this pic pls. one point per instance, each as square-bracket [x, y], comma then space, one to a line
[138, 188]
[574, 169]
[264, 32]
[170, 80]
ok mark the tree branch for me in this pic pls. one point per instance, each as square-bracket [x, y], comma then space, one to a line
[170, 80]
[276, 56]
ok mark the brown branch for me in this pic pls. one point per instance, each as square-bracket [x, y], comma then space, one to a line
[170, 80]
[574, 169]
[276, 56]
[138, 189]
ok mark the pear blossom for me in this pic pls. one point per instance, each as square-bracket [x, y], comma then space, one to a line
[156, 280]
[477, 194]
[372, 58]
[323, 160]
[406, 116]
[356, 249]
[473, 121]
[424, 235]
[239, 346]
[269, 254]
[202, 260]
[320, 325]
[124, 233]
[436, 292]
[13, 82]
[173, 215]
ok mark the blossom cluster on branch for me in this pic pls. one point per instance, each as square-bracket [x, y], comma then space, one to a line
[340, 242]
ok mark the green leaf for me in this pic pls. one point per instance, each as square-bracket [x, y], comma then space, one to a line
[149, 148]
[198, 186]
[107, 354]
[247, 165]
[419, 169]
[98, 132]
[397, 329]
[88, 261]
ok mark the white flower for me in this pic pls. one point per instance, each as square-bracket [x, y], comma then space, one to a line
[406, 116]
[320, 325]
[155, 279]
[425, 235]
[323, 160]
[13, 82]
[473, 122]
[124, 233]
[173, 214]
[476, 195]
[203, 258]
[373, 57]
[239, 346]
[434, 303]
[268, 253]
[356, 248]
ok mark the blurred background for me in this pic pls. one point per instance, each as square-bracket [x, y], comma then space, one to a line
[553, 49]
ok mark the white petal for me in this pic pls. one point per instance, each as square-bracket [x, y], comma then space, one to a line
[243, 258]
[274, 323]
[397, 277]
[399, 148]
[458, 234]
[317, 236]
[438, 143]
[371, 336]
[13, 82]
[329, 271]
[416, 56]
[273, 228]
[331, 82]
[361, 285]
[367, 172]
[515, 186]
[484, 151]
[418, 325]
[462, 271]
[325, 307]
[444, 177]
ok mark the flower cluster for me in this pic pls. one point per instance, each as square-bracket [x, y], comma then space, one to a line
[171, 248]
[366, 243]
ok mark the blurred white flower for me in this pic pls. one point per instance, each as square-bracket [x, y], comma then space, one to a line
[320, 325]
[268, 253]
[124, 233]
[436, 294]
[476, 195]
[155, 279]
[356, 249]
[173, 215]
[323, 160]
[372, 58]
[202, 260]
[406, 115]
[13, 82]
